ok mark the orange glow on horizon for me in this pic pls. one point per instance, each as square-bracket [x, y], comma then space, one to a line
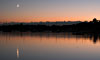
[45, 19]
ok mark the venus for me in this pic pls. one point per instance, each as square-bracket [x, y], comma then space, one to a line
[18, 6]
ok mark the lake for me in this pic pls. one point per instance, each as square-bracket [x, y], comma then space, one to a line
[49, 46]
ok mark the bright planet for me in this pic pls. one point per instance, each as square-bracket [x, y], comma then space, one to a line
[18, 6]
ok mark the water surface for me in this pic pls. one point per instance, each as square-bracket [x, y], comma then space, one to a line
[49, 46]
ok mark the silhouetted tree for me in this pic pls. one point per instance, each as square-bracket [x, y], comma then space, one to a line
[95, 20]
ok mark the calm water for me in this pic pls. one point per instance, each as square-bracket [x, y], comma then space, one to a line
[49, 46]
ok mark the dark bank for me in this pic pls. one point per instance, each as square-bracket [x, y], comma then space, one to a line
[82, 27]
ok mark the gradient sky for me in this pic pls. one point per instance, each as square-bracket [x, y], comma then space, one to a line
[48, 10]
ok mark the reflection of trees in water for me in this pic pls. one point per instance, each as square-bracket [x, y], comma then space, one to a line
[94, 37]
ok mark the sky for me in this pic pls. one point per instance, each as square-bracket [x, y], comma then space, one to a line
[48, 10]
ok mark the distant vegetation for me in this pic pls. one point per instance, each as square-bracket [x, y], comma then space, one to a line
[82, 27]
